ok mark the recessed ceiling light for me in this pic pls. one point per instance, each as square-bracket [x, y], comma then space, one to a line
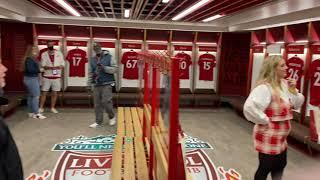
[212, 18]
[165, 1]
[126, 13]
[68, 7]
[190, 9]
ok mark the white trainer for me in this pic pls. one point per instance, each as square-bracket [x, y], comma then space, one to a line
[30, 115]
[38, 116]
[41, 110]
[53, 110]
[112, 121]
[95, 125]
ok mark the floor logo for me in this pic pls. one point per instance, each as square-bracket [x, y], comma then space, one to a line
[83, 143]
[106, 143]
[195, 143]
[199, 165]
[97, 166]
[83, 166]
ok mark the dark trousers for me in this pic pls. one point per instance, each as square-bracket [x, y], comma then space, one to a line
[271, 163]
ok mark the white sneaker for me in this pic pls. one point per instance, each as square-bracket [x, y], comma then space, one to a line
[41, 110]
[38, 116]
[30, 115]
[112, 121]
[95, 125]
[53, 110]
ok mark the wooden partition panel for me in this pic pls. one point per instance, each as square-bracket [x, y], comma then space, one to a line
[235, 49]
[15, 37]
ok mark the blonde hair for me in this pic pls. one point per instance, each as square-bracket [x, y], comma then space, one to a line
[268, 72]
[27, 54]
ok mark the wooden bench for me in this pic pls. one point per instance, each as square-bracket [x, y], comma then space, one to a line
[129, 156]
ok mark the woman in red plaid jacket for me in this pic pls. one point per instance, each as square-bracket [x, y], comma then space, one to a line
[270, 106]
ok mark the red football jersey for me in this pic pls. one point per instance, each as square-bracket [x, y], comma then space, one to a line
[295, 69]
[130, 63]
[184, 63]
[77, 59]
[315, 83]
[206, 64]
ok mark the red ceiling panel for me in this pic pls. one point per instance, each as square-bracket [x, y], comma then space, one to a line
[150, 10]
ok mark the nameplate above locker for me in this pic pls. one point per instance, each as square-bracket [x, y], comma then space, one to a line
[274, 49]
[45, 42]
[182, 48]
[77, 43]
[157, 47]
[131, 46]
[208, 49]
[257, 49]
[295, 49]
[315, 49]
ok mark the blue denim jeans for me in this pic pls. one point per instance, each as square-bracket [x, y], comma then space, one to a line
[33, 87]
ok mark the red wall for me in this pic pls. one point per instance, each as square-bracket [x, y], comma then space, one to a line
[234, 61]
[14, 39]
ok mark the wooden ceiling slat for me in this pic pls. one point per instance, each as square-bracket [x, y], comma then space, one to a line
[225, 9]
[201, 12]
[112, 9]
[43, 7]
[137, 8]
[51, 6]
[164, 8]
[90, 5]
[142, 9]
[102, 8]
[122, 10]
[173, 10]
[132, 9]
[147, 9]
[83, 9]
[154, 7]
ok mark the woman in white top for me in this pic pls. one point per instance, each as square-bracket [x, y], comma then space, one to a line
[270, 106]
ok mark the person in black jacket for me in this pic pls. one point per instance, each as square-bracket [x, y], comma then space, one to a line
[10, 163]
[31, 71]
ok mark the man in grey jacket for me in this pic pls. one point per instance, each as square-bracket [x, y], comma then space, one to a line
[101, 79]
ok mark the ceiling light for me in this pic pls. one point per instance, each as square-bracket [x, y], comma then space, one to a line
[212, 18]
[302, 41]
[126, 13]
[165, 1]
[49, 37]
[190, 9]
[67, 7]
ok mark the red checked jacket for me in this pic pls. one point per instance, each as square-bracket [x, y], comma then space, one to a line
[271, 114]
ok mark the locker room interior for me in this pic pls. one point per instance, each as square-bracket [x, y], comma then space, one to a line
[220, 61]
